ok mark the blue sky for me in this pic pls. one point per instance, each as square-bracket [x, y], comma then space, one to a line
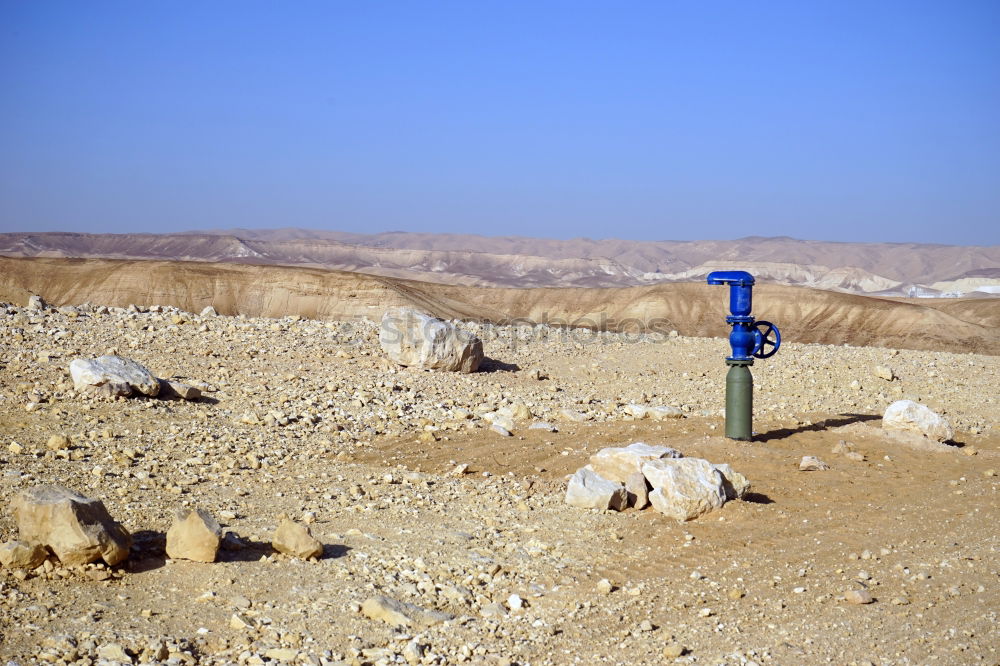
[849, 121]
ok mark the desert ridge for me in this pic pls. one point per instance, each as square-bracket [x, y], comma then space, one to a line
[692, 309]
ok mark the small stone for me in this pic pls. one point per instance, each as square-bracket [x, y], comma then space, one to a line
[736, 594]
[281, 655]
[604, 586]
[195, 535]
[240, 621]
[296, 540]
[673, 650]
[856, 456]
[413, 652]
[859, 597]
[990, 472]
[572, 415]
[812, 464]
[841, 447]
[900, 601]
[22, 555]
[515, 602]
[401, 614]
[209, 311]
[645, 625]
[114, 652]
[884, 372]
[58, 442]
[543, 425]
[500, 430]
[169, 389]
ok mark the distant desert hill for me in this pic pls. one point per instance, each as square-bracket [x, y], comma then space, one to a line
[694, 309]
[886, 269]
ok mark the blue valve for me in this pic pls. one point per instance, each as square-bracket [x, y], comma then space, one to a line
[748, 339]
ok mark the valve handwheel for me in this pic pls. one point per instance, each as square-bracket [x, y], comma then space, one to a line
[767, 340]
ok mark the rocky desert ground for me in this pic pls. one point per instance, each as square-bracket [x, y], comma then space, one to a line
[444, 541]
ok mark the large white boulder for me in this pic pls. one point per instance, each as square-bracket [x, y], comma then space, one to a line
[617, 463]
[77, 529]
[909, 416]
[415, 339]
[684, 488]
[589, 490]
[114, 374]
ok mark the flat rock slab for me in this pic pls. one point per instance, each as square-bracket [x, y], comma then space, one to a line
[116, 374]
[402, 614]
[684, 488]
[415, 339]
[619, 463]
[169, 389]
[76, 528]
[589, 490]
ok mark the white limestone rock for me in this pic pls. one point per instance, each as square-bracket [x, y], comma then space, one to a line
[35, 302]
[415, 339]
[589, 490]
[735, 484]
[618, 463]
[77, 529]
[209, 311]
[684, 488]
[812, 464]
[910, 416]
[121, 376]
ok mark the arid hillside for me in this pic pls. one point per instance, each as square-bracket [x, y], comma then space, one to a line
[691, 309]
[866, 268]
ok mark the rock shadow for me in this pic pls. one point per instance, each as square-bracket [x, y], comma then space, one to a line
[825, 424]
[758, 498]
[493, 365]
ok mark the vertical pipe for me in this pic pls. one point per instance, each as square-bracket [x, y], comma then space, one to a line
[739, 402]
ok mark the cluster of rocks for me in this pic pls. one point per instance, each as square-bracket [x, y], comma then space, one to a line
[638, 475]
[78, 530]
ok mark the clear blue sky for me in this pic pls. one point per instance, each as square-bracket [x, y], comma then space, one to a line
[650, 120]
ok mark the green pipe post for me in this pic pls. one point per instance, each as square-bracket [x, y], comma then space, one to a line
[739, 400]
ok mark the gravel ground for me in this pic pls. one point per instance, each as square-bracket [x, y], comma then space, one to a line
[417, 500]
